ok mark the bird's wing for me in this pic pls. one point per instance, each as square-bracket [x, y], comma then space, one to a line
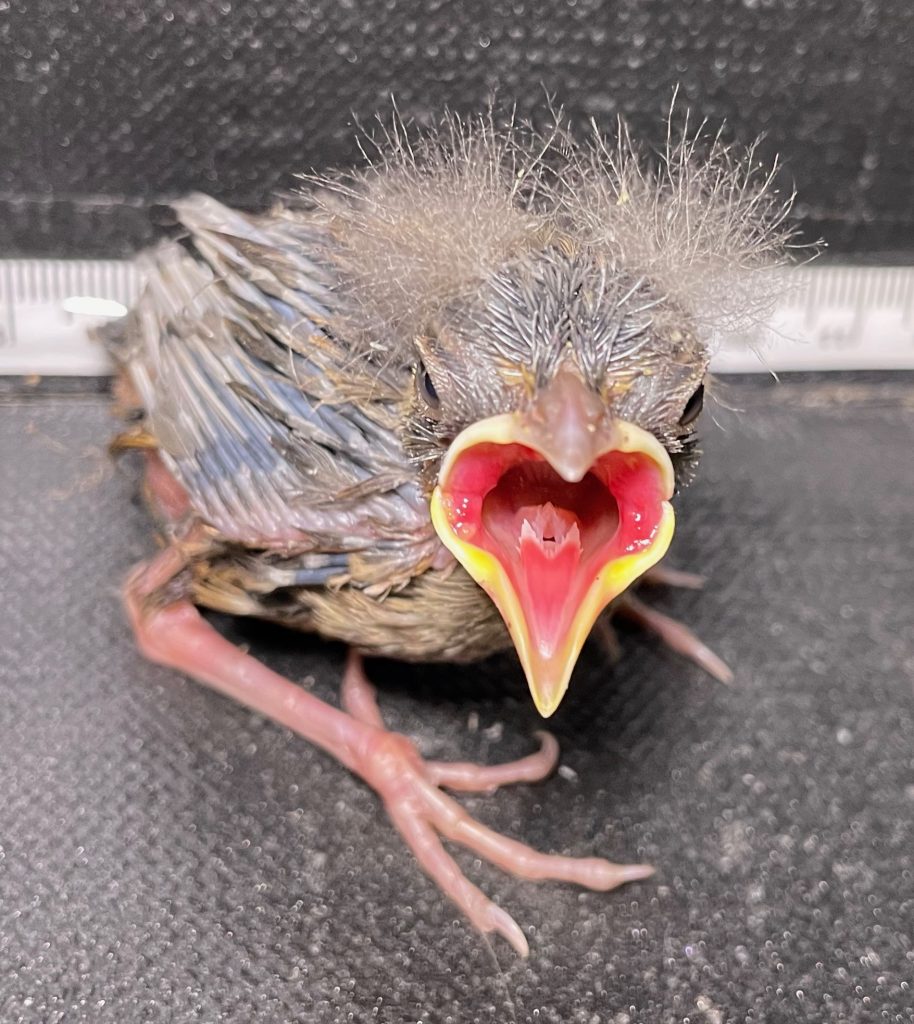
[282, 436]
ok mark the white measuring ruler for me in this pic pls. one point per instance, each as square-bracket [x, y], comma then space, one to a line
[835, 318]
[48, 306]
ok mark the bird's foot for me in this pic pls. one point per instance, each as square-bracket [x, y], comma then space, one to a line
[178, 636]
[411, 790]
[359, 699]
[424, 816]
[676, 635]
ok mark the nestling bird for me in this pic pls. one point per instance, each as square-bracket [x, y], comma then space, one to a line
[433, 408]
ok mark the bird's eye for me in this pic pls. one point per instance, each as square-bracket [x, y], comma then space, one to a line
[426, 387]
[693, 407]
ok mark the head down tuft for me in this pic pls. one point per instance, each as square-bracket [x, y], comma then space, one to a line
[432, 217]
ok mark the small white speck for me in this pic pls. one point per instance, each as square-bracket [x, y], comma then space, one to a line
[494, 732]
[568, 773]
[845, 737]
[708, 1008]
[472, 722]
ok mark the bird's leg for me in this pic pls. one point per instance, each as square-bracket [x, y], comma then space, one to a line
[164, 494]
[358, 698]
[177, 635]
[675, 635]
[664, 576]
[607, 639]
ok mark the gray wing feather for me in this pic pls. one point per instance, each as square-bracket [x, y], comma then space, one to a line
[245, 385]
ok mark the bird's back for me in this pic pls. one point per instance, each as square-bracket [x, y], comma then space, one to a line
[304, 506]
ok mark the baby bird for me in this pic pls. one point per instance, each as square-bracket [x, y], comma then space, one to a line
[434, 408]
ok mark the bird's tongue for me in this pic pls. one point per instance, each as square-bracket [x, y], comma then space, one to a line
[545, 532]
[548, 557]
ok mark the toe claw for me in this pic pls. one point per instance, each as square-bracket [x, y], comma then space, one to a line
[505, 925]
[425, 816]
[607, 875]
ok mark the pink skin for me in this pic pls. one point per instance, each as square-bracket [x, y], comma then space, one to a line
[674, 634]
[168, 497]
[663, 576]
[179, 637]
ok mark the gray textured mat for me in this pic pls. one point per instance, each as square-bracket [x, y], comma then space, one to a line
[108, 106]
[167, 856]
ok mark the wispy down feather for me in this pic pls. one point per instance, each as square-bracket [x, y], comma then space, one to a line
[702, 221]
[275, 355]
[428, 218]
[431, 217]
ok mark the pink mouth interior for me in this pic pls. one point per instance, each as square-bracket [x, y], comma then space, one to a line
[552, 537]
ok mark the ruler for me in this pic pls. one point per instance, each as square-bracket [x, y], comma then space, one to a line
[47, 308]
[831, 318]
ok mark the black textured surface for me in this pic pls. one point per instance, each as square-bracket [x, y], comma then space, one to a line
[167, 856]
[106, 106]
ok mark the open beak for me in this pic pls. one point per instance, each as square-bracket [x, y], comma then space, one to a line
[554, 512]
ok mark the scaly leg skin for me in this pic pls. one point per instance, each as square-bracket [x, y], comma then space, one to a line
[178, 636]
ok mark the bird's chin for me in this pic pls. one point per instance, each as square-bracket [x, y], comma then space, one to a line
[550, 551]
